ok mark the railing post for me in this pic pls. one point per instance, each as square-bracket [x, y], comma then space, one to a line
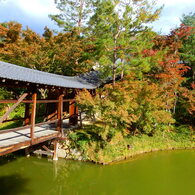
[60, 113]
[33, 115]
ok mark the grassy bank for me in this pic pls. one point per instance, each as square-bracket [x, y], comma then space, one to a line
[121, 147]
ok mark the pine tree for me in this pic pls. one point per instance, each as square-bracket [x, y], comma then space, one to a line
[73, 14]
[188, 48]
[115, 25]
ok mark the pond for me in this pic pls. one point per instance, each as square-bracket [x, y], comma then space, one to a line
[166, 173]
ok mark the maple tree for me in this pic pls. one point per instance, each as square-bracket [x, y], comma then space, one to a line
[171, 73]
[64, 53]
[153, 92]
[131, 105]
[153, 101]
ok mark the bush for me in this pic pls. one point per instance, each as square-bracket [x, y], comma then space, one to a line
[136, 105]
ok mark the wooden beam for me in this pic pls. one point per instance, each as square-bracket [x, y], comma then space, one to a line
[33, 115]
[60, 113]
[13, 107]
[55, 154]
[46, 148]
[22, 145]
[38, 101]
[73, 113]
[28, 126]
[14, 119]
[14, 129]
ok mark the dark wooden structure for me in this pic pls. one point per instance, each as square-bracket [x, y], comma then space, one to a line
[31, 134]
[60, 104]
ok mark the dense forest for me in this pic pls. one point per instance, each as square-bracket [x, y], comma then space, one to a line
[152, 89]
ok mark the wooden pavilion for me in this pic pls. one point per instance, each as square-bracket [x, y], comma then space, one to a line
[61, 91]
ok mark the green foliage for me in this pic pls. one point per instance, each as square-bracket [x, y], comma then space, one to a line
[73, 14]
[132, 104]
[185, 130]
[4, 94]
[151, 107]
[117, 26]
[188, 47]
[17, 113]
[120, 147]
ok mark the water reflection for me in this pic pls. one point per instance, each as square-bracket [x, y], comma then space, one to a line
[158, 173]
[13, 184]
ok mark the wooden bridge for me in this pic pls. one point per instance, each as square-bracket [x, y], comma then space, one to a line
[11, 141]
[60, 89]
[18, 138]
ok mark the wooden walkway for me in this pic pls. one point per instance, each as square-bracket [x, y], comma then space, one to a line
[11, 141]
[15, 139]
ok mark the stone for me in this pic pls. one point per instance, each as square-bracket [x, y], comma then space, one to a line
[62, 153]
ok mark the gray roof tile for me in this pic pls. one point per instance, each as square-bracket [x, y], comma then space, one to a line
[19, 73]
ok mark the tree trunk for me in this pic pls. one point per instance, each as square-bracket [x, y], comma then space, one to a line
[114, 62]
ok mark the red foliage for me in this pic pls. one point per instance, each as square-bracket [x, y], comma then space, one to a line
[171, 71]
[149, 52]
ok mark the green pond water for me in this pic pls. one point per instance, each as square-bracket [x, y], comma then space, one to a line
[166, 173]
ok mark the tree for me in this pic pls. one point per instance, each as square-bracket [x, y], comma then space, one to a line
[134, 105]
[64, 53]
[115, 25]
[171, 73]
[188, 48]
[74, 14]
[71, 54]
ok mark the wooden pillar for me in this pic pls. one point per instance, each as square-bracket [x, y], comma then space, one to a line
[73, 112]
[27, 111]
[60, 113]
[80, 119]
[33, 115]
[55, 154]
[27, 152]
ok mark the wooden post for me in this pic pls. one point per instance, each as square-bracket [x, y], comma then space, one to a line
[60, 113]
[33, 115]
[73, 112]
[55, 154]
[80, 118]
[27, 152]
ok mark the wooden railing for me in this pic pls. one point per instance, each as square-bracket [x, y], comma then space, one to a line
[34, 102]
[31, 101]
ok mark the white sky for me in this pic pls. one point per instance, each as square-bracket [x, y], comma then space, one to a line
[34, 13]
[36, 7]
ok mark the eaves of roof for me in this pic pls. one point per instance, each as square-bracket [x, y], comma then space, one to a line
[19, 73]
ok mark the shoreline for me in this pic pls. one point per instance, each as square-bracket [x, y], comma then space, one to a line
[145, 152]
[120, 148]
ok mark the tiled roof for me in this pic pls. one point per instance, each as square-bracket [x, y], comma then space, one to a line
[19, 73]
